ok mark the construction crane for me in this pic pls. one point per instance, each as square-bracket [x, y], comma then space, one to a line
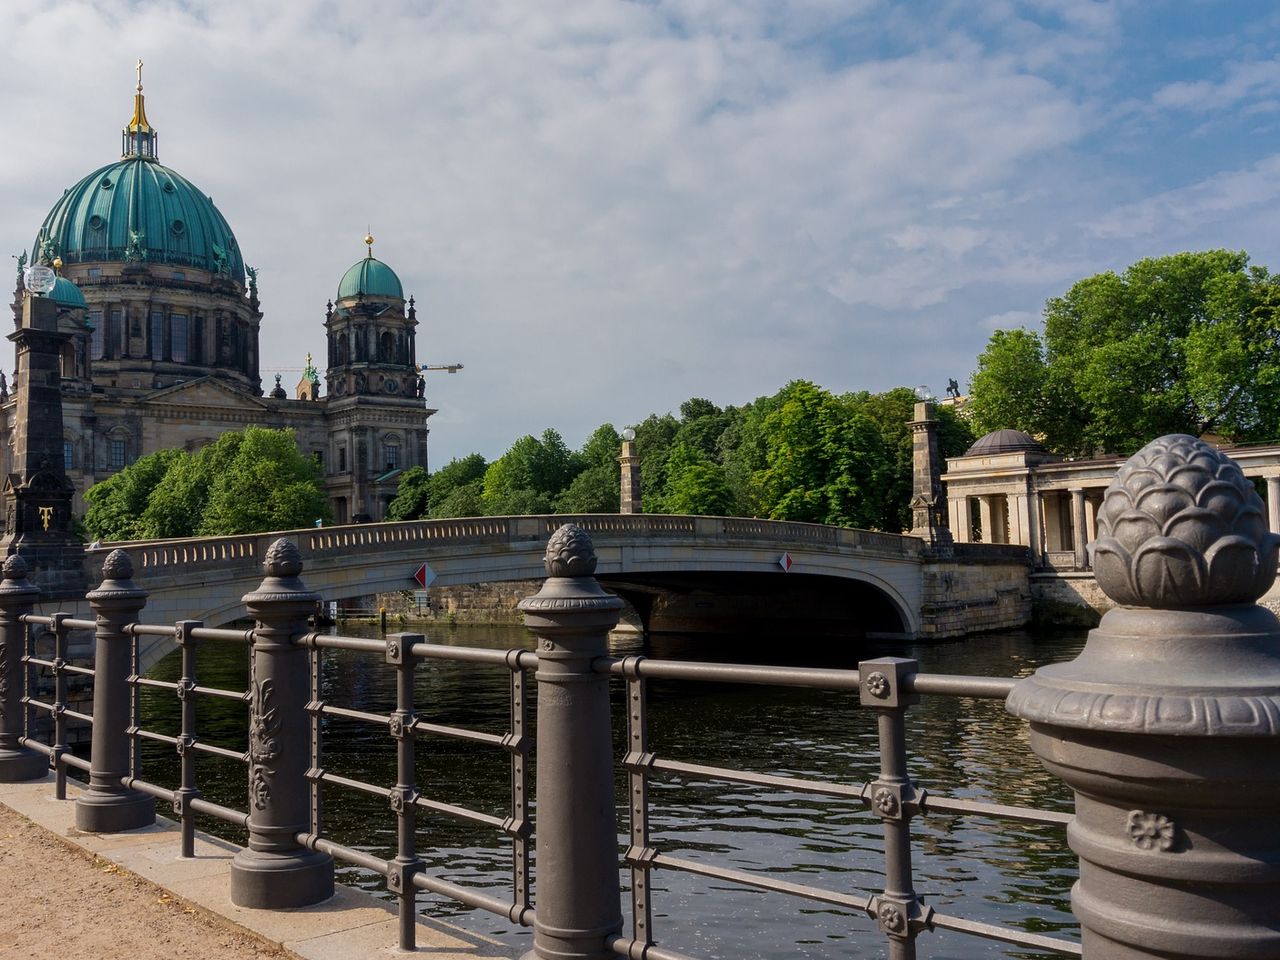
[450, 367]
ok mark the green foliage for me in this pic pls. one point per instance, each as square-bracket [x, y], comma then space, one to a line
[1186, 343]
[594, 490]
[424, 495]
[116, 505]
[247, 481]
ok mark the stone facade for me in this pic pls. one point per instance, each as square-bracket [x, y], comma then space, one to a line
[163, 320]
[974, 593]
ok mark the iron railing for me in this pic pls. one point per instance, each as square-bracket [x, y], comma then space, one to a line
[886, 687]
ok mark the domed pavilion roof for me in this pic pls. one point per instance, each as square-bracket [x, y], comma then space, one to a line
[137, 209]
[1004, 441]
[370, 278]
[67, 294]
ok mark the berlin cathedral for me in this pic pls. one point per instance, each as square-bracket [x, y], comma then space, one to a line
[163, 316]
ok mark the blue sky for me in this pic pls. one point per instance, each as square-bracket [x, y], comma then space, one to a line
[605, 208]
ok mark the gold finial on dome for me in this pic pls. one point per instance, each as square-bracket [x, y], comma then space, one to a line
[57, 263]
[139, 121]
[368, 242]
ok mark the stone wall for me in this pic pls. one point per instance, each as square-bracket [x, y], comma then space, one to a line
[968, 595]
[1068, 599]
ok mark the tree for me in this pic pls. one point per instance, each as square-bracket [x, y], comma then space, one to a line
[247, 481]
[420, 495]
[1188, 343]
[695, 484]
[116, 504]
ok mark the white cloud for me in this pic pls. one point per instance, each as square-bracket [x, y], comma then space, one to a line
[605, 208]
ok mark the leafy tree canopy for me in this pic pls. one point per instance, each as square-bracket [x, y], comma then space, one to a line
[1188, 343]
[247, 481]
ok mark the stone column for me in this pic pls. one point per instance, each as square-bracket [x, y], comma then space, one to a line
[1020, 528]
[17, 594]
[985, 519]
[1167, 726]
[1273, 504]
[578, 900]
[107, 806]
[275, 871]
[928, 519]
[1078, 529]
[629, 499]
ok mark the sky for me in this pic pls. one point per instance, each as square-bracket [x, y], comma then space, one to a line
[605, 208]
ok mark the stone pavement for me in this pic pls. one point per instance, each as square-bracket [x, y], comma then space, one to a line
[351, 924]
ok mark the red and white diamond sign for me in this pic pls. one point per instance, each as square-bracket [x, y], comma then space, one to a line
[785, 562]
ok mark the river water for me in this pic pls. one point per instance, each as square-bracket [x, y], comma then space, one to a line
[1009, 873]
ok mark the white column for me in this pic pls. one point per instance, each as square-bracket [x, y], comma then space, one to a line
[1078, 528]
[984, 518]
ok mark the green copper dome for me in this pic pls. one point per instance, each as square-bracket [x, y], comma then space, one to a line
[370, 278]
[67, 294]
[136, 209]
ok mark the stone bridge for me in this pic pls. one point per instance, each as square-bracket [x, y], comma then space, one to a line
[854, 581]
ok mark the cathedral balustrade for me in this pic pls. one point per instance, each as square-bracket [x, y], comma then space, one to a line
[1167, 727]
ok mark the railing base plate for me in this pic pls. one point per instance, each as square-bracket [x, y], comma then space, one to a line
[17, 766]
[272, 881]
[114, 812]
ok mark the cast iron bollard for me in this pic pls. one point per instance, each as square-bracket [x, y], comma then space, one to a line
[275, 870]
[106, 806]
[1167, 726]
[17, 595]
[578, 906]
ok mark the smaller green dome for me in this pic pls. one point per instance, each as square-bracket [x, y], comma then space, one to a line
[370, 278]
[67, 294]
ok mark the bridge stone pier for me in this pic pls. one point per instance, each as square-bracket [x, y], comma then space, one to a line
[885, 584]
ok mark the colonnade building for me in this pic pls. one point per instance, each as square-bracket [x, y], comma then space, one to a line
[163, 320]
[1007, 488]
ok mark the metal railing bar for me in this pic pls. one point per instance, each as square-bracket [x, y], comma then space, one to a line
[39, 746]
[991, 931]
[458, 733]
[219, 692]
[241, 756]
[734, 673]
[325, 776]
[341, 852]
[324, 641]
[72, 624]
[848, 900]
[35, 704]
[157, 737]
[71, 760]
[77, 715]
[34, 661]
[151, 789]
[221, 633]
[755, 779]
[35, 619]
[157, 684]
[639, 950]
[79, 671]
[956, 685]
[200, 805]
[378, 718]
[524, 659]
[150, 630]
[1000, 811]
[462, 813]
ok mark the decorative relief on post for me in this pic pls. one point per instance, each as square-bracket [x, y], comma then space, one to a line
[264, 747]
[117, 566]
[1152, 831]
[878, 685]
[1181, 526]
[891, 917]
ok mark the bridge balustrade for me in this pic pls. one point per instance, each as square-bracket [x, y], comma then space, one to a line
[1167, 727]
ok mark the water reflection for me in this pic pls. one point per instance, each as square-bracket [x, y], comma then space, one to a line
[1014, 874]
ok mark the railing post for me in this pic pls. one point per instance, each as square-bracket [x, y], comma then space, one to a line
[106, 806]
[894, 798]
[1167, 726]
[17, 595]
[578, 906]
[275, 870]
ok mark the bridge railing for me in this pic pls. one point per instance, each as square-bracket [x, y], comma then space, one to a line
[1167, 727]
[200, 554]
[287, 708]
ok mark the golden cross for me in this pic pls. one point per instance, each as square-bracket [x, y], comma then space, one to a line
[46, 513]
[139, 74]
